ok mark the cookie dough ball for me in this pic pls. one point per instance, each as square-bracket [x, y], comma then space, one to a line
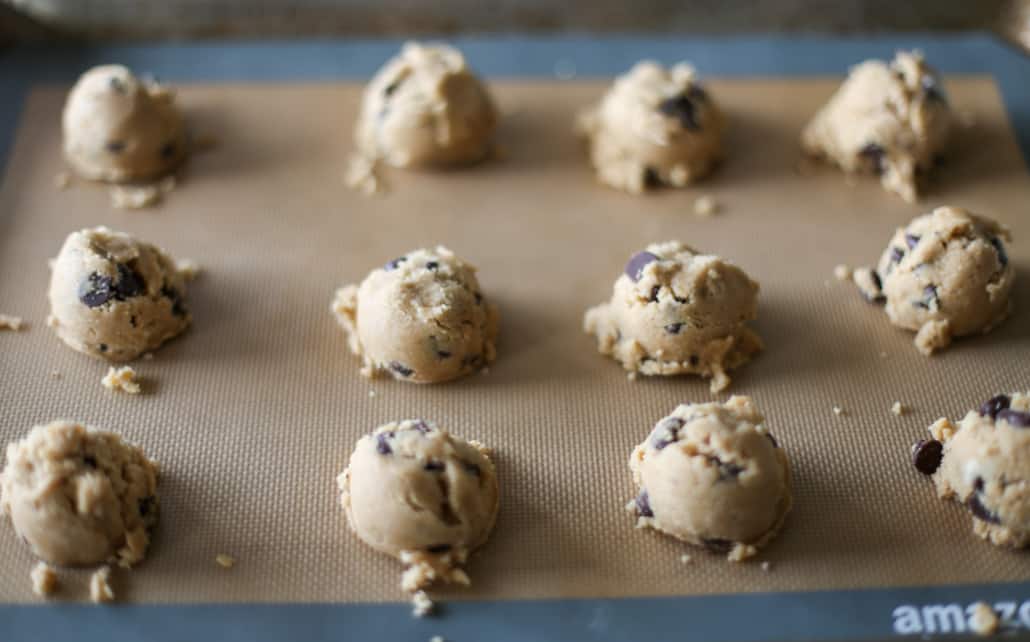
[890, 119]
[712, 475]
[419, 318]
[945, 275]
[80, 496]
[118, 128]
[425, 107]
[422, 495]
[984, 463]
[655, 126]
[115, 297]
[676, 311]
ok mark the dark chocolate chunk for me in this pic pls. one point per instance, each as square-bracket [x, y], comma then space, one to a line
[471, 468]
[116, 84]
[382, 445]
[977, 508]
[929, 300]
[421, 426]
[102, 347]
[637, 263]
[994, 405]
[96, 290]
[727, 470]
[697, 92]
[694, 360]
[90, 461]
[435, 466]
[173, 295]
[896, 255]
[392, 87]
[443, 354]
[132, 321]
[432, 266]
[674, 328]
[877, 281]
[926, 455]
[651, 178]
[718, 546]
[1015, 417]
[438, 548]
[999, 247]
[874, 154]
[146, 504]
[654, 293]
[401, 369]
[392, 265]
[644, 505]
[666, 432]
[978, 484]
[932, 89]
[479, 299]
[911, 240]
[682, 108]
[130, 283]
[168, 150]
[115, 146]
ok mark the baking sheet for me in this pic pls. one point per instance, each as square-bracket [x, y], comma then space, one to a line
[255, 410]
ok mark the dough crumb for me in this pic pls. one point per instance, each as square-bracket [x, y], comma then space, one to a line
[225, 561]
[135, 197]
[983, 621]
[55, 375]
[62, 180]
[189, 270]
[842, 272]
[766, 567]
[706, 206]
[837, 410]
[632, 376]
[371, 394]
[741, 552]
[100, 586]
[44, 580]
[363, 175]
[122, 379]
[898, 408]
[421, 604]
[686, 559]
[8, 322]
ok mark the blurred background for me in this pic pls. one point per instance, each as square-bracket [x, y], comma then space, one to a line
[47, 20]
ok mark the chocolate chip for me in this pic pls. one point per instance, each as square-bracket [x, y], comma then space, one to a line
[666, 432]
[877, 282]
[775, 443]
[435, 466]
[90, 461]
[674, 328]
[932, 89]
[694, 360]
[994, 405]
[471, 468]
[896, 255]
[130, 283]
[911, 240]
[443, 354]
[697, 92]
[146, 504]
[392, 265]
[96, 290]
[930, 301]
[644, 505]
[178, 305]
[421, 426]
[479, 299]
[718, 546]
[102, 347]
[977, 508]
[392, 87]
[382, 445]
[132, 321]
[651, 178]
[726, 470]
[999, 247]
[438, 548]
[168, 150]
[115, 146]
[1015, 418]
[116, 84]
[682, 108]
[654, 293]
[874, 154]
[978, 484]
[926, 455]
[637, 263]
[401, 369]
[432, 266]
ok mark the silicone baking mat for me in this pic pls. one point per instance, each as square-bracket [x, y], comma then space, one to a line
[254, 411]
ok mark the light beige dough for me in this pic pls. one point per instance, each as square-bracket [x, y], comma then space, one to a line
[420, 318]
[711, 475]
[655, 126]
[945, 275]
[417, 493]
[677, 311]
[425, 107]
[890, 119]
[80, 496]
[115, 297]
[984, 463]
[118, 128]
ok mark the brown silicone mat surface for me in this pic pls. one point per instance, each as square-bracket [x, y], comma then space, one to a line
[254, 411]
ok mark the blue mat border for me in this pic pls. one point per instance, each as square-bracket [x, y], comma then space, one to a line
[819, 615]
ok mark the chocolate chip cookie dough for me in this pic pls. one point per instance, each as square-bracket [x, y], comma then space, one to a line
[422, 495]
[984, 463]
[115, 297]
[945, 275]
[421, 318]
[425, 107]
[118, 128]
[655, 126]
[80, 496]
[712, 475]
[677, 311]
[890, 119]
